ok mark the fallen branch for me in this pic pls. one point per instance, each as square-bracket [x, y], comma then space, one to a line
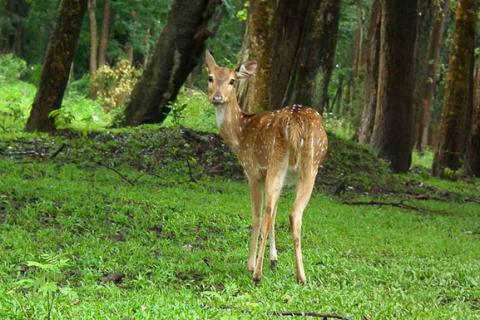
[400, 204]
[124, 178]
[57, 152]
[308, 314]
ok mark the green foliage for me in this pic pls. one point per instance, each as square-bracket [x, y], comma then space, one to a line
[192, 110]
[44, 281]
[11, 68]
[183, 245]
[114, 85]
[81, 114]
[15, 103]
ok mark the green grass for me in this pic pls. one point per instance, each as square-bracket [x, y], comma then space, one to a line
[183, 246]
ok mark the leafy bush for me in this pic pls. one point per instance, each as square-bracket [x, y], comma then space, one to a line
[114, 85]
[81, 113]
[15, 103]
[192, 110]
[11, 67]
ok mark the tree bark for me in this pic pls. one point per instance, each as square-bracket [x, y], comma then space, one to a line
[367, 119]
[13, 26]
[56, 68]
[315, 58]
[438, 30]
[458, 91]
[306, 31]
[102, 48]
[178, 51]
[258, 44]
[424, 31]
[472, 160]
[92, 18]
[392, 130]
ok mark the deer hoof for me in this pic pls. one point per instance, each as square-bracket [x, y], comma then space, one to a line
[273, 264]
[256, 281]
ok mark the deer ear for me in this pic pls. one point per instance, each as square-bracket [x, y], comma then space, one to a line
[209, 60]
[246, 70]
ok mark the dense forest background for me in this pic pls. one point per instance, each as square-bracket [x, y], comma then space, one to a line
[380, 68]
[120, 200]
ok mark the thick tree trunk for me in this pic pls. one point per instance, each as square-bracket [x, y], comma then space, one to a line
[392, 130]
[440, 21]
[315, 59]
[92, 18]
[458, 89]
[264, 27]
[472, 160]
[178, 51]
[306, 31]
[424, 31]
[367, 119]
[102, 48]
[56, 68]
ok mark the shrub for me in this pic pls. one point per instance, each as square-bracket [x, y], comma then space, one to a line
[114, 85]
[11, 67]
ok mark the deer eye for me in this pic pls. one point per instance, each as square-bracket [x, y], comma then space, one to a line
[232, 81]
[210, 79]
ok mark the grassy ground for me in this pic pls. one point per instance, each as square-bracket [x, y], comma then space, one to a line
[94, 234]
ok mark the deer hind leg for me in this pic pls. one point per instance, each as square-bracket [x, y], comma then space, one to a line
[304, 191]
[273, 187]
[256, 199]
[273, 248]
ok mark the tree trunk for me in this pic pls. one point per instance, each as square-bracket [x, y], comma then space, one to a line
[178, 51]
[92, 7]
[259, 43]
[367, 119]
[56, 68]
[288, 75]
[472, 160]
[13, 26]
[102, 49]
[451, 140]
[392, 130]
[315, 59]
[424, 31]
[440, 21]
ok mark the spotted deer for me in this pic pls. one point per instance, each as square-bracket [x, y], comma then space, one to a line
[269, 145]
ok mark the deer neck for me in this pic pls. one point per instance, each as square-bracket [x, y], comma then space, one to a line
[230, 122]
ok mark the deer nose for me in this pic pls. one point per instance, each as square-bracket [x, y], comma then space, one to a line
[217, 99]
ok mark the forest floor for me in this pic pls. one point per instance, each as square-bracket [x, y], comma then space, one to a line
[152, 223]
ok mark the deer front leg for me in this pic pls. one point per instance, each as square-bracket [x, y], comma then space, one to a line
[256, 200]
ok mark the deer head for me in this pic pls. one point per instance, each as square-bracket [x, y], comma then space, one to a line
[221, 81]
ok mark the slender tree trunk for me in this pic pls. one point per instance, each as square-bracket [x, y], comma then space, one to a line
[458, 88]
[12, 27]
[92, 7]
[472, 161]
[56, 68]
[424, 31]
[102, 48]
[440, 21]
[178, 50]
[367, 119]
[392, 130]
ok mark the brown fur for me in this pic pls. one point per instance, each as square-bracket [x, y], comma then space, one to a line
[268, 145]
